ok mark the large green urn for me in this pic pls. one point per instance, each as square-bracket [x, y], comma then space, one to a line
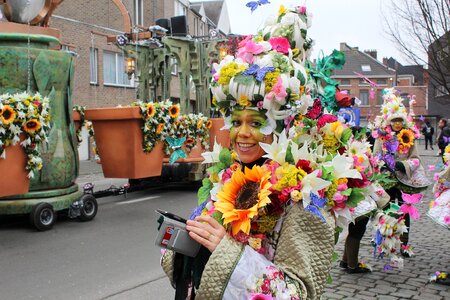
[28, 62]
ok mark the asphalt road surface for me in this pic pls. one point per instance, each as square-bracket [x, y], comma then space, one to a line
[112, 257]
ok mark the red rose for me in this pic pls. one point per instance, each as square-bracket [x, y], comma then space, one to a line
[304, 165]
[315, 110]
[324, 119]
[343, 99]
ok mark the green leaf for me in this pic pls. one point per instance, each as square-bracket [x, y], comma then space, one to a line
[204, 192]
[346, 135]
[329, 279]
[225, 157]
[347, 192]
[289, 157]
[244, 79]
[356, 196]
[218, 217]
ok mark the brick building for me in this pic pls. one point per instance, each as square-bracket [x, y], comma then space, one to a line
[409, 80]
[100, 79]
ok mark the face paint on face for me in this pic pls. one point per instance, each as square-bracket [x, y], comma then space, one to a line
[246, 134]
[397, 124]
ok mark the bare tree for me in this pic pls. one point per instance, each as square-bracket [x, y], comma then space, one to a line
[421, 30]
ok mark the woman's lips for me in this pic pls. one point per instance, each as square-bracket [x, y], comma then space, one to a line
[245, 147]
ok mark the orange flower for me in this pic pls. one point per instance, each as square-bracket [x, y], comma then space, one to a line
[159, 128]
[150, 110]
[189, 141]
[406, 138]
[209, 124]
[32, 126]
[174, 111]
[7, 115]
[240, 198]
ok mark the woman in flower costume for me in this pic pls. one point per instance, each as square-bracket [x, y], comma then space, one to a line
[267, 211]
[395, 133]
[440, 207]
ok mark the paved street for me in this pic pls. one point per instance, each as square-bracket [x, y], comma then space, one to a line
[114, 258]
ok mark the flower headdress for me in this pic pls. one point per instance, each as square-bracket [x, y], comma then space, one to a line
[271, 72]
[391, 109]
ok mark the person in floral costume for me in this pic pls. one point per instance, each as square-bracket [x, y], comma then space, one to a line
[395, 134]
[269, 208]
[440, 207]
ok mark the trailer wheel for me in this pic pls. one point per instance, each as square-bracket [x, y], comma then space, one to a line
[42, 216]
[89, 209]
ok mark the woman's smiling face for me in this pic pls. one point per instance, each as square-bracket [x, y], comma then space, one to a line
[246, 134]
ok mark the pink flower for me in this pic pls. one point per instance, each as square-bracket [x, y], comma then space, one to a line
[431, 168]
[324, 119]
[280, 44]
[415, 162]
[447, 220]
[278, 91]
[265, 287]
[339, 198]
[216, 77]
[248, 52]
[260, 104]
[301, 10]
[244, 41]
[260, 297]
[342, 187]
[436, 176]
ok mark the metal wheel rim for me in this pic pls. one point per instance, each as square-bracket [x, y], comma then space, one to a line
[46, 216]
[88, 207]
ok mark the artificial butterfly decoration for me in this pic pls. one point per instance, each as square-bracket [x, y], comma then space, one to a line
[259, 73]
[253, 5]
[446, 139]
[175, 144]
[316, 203]
[422, 118]
[377, 243]
[408, 207]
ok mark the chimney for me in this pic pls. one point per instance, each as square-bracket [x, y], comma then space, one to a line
[343, 46]
[385, 61]
[372, 53]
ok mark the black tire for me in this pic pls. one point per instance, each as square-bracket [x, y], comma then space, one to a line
[89, 209]
[42, 216]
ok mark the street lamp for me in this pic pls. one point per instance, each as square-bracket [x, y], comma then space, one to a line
[131, 67]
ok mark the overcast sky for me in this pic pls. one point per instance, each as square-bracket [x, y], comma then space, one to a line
[356, 22]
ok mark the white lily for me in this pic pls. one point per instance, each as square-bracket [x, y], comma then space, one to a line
[302, 152]
[213, 156]
[227, 123]
[342, 167]
[277, 150]
[311, 183]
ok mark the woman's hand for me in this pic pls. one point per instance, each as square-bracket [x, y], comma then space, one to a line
[207, 231]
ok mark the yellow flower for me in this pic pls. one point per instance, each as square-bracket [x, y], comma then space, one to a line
[159, 128]
[199, 124]
[270, 80]
[174, 111]
[296, 196]
[406, 138]
[255, 243]
[240, 198]
[150, 110]
[337, 128]
[7, 115]
[282, 10]
[32, 126]
[243, 101]
[227, 72]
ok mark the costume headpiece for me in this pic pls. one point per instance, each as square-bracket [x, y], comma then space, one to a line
[392, 109]
[271, 72]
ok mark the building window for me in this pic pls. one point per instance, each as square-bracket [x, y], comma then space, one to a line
[366, 68]
[363, 82]
[364, 97]
[440, 91]
[114, 69]
[345, 81]
[380, 100]
[382, 81]
[93, 65]
[174, 66]
[139, 12]
[180, 8]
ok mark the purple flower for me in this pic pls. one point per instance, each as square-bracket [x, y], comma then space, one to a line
[389, 160]
[198, 210]
[392, 145]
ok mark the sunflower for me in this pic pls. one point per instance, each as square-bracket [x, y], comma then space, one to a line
[150, 110]
[199, 124]
[208, 124]
[32, 126]
[174, 111]
[242, 197]
[406, 138]
[159, 128]
[7, 115]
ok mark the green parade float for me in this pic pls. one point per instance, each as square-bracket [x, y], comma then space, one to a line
[31, 66]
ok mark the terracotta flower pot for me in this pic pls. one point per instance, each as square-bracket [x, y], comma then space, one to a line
[76, 119]
[222, 136]
[13, 175]
[118, 136]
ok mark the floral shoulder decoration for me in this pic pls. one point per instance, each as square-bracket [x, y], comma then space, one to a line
[26, 115]
[80, 110]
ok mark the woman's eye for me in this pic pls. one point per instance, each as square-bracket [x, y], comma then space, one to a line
[256, 124]
[236, 123]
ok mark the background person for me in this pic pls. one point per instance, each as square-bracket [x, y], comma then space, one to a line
[428, 132]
